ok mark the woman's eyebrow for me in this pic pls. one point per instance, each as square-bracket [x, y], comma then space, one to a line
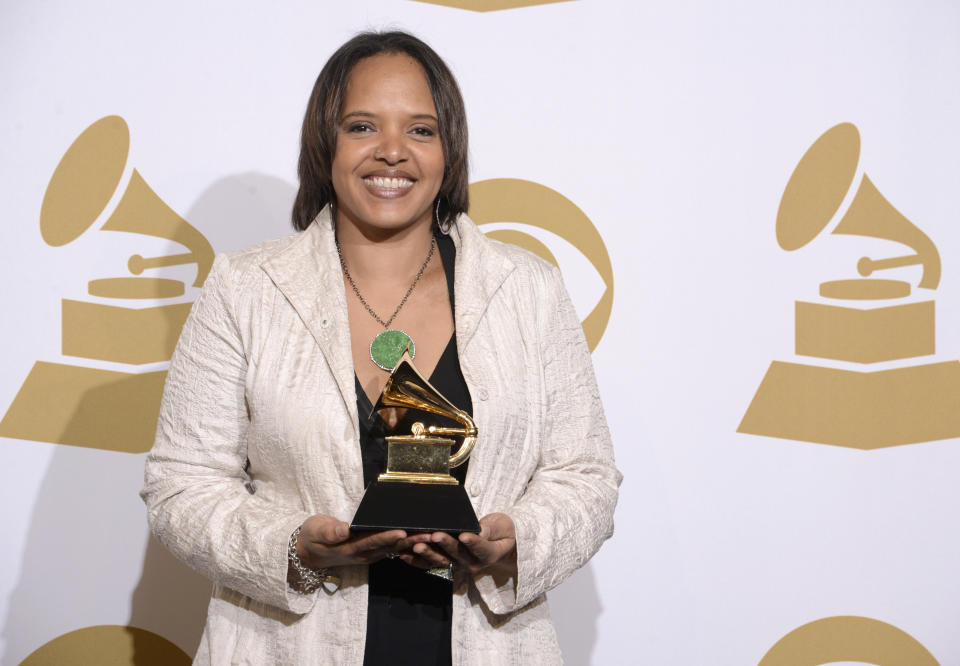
[360, 114]
[368, 114]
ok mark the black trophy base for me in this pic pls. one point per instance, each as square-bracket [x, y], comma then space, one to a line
[415, 507]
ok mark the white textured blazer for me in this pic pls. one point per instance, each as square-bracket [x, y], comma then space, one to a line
[263, 372]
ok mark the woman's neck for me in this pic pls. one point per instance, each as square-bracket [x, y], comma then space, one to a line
[381, 255]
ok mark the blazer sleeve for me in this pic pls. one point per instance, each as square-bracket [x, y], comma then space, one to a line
[566, 510]
[195, 486]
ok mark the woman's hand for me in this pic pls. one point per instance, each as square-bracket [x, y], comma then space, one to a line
[495, 548]
[325, 542]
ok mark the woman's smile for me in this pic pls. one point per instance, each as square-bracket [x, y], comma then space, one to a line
[389, 184]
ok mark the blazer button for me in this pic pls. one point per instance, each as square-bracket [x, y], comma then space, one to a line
[482, 394]
[474, 490]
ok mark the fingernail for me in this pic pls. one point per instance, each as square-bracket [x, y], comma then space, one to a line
[342, 530]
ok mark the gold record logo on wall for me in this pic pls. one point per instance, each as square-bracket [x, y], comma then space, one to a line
[81, 405]
[848, 638]
[865, 320]
[108, 644]
[526, 202]
[490, 5]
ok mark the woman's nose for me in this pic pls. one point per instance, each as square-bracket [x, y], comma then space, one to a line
[391, 148]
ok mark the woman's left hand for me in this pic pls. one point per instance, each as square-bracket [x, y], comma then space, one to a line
[494, 548]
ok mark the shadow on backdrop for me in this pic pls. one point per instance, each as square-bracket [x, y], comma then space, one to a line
[245, 208]
[575, 607]
[79, 540]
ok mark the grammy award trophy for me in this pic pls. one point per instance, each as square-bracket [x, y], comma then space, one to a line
[416, 492]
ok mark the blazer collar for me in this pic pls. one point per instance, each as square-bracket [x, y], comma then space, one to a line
[307, 272]
[482, 266]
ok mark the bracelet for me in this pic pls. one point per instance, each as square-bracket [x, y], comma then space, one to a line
[304, 579]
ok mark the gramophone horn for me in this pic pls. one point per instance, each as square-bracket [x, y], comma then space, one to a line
[141, 211]
[83, 184]
[84, 181]
[818, 185]
[816, 191]
[872, 215]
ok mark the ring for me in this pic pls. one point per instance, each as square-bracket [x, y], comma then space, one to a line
[392, 556]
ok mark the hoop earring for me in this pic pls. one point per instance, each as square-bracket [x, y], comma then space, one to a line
[444, 228]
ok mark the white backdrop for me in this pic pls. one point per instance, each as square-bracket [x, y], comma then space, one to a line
[674, 127]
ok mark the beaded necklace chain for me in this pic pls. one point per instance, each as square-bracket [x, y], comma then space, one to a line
[387, 347]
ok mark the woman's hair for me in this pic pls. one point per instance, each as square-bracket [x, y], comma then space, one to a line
[318, 139]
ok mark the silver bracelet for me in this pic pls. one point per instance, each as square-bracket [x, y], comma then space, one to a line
[304, 579]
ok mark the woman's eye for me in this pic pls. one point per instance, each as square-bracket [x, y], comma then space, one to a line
[423, 131]
[359, 128]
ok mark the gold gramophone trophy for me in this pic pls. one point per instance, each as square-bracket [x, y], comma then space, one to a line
[416, 493]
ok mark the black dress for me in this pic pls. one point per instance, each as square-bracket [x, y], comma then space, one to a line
[409, 610]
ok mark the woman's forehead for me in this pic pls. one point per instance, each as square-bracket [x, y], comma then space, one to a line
[388, 79]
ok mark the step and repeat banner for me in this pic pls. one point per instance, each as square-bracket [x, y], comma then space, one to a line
[754, 207]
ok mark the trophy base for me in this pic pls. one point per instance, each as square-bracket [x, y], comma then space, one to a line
[417, 477]
[415, 507]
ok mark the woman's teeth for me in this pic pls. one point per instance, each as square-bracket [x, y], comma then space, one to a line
[388, 183]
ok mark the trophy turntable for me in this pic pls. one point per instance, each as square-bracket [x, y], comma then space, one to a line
[416, 493]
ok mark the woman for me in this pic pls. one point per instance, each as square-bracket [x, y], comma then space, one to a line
[264, 445]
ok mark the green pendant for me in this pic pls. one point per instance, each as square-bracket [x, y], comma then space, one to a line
[387, 348]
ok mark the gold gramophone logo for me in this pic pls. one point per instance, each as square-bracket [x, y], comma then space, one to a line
[865, 320]
[526, 202]
[87, 406]
[490, 5]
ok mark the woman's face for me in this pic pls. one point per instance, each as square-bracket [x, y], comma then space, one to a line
[388, 164]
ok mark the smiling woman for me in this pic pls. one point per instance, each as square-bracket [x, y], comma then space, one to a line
[267, 436]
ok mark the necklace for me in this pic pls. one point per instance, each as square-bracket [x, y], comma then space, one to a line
[387, 347]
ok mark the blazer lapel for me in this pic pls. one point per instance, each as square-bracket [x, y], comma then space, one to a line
[309, 276]
[481, 269]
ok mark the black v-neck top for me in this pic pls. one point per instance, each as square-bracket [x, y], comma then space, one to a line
[409, 610]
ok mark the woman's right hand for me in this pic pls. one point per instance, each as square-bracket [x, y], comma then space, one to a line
[325, 542]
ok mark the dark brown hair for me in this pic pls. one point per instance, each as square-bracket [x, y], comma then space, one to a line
[318, 139]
